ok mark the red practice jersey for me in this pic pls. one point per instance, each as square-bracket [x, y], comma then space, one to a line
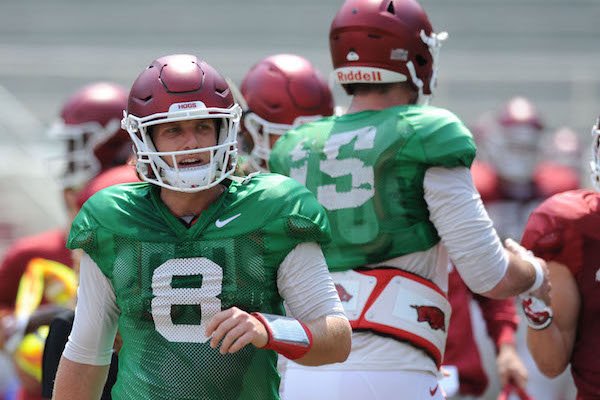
[566, 229]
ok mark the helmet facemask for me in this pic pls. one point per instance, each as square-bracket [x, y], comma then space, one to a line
[262, 131]
[151, 163]
[434, 44]
[79, 163]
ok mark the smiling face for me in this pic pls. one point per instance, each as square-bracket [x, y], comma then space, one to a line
[186, 135]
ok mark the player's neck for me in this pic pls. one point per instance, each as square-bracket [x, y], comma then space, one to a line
[374, 100]
[185, 204]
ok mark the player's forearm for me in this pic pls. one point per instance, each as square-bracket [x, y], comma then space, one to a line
[549, 350]
[518, 278]
[331, 341]
[79, 381]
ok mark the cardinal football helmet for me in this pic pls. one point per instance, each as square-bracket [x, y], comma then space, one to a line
[90, 126]
[176, 88]
[281, 91]
[385, 41]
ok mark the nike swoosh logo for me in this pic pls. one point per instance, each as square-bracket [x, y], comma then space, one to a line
[433, 391]
[221, 224]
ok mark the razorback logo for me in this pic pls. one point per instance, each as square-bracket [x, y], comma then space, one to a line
[537, 317]
[432, 315]
[344, 295]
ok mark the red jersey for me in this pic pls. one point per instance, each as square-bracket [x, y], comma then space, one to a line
[50, 244]
[566, 228]
[461, 348]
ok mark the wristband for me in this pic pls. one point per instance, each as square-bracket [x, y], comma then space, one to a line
[537, 313]
[287, 336]
[539, 271]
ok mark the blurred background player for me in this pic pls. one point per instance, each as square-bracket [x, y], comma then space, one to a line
[462, 351]
[281, 91]
[61, 325]
[89, 125]
[564, 231]
[394, 177]
[514, 176]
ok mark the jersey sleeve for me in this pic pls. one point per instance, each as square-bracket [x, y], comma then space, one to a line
[556, 228]
[445, 141]
[82, 234]
[300, 218]
[500, 318]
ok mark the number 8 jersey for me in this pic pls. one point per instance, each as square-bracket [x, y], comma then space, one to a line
[169, 280]
[367, 169]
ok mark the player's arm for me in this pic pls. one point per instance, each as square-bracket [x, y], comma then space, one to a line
[551, 347]
[306, 285]
[85, 362]
[79, 381]
[316, 333]
[467, 232]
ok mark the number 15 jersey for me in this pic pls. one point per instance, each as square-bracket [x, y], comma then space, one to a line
[170, 280]
[367, 170]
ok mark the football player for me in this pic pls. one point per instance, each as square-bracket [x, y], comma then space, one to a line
[394, 177]
[193, 264]
[564, 231]
[281, 91]
[89, 125]
[514, 177]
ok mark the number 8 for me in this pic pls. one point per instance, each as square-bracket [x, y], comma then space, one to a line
[166, 296]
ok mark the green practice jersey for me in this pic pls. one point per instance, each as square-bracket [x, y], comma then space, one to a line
[367, 169]
[169, 280]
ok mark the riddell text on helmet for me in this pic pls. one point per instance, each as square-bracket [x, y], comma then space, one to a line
[359, 76]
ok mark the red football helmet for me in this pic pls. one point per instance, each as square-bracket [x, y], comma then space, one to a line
[90, 125]
[176, 88]
[282, 91]
[385, 41]
[595, 163]
[513, 143]
[113, 176]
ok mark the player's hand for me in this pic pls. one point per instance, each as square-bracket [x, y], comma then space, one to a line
[510, 367]
[234, 329]
[543, 292]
